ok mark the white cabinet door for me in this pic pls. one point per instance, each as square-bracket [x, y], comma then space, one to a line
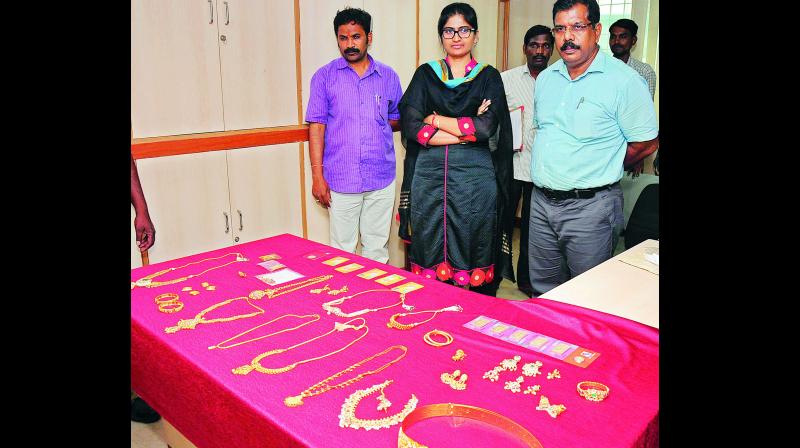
[265, 191]
[187, 197]
[175, 71]
[257, 55]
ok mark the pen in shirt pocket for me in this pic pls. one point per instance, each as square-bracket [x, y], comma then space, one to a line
[579, 103]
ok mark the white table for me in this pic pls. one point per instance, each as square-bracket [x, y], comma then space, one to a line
[615, 287]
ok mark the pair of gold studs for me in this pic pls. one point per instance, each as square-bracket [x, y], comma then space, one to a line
[450, 379]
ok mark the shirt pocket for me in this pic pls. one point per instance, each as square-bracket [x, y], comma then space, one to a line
[381, 110]
[588, 114]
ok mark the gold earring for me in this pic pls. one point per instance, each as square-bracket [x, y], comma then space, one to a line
[532, 389]
[319, 290]
[459, 355]
[513, 386]
[554, 374]
[333, 292]
[450, 380]
[532, 368]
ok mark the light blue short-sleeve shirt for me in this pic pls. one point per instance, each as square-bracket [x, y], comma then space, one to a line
[584, 125]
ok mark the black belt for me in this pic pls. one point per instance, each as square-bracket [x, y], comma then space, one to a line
[577, 193]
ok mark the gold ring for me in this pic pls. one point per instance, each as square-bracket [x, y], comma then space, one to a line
[593, 391]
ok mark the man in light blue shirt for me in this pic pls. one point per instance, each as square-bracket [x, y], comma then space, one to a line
[594, 118]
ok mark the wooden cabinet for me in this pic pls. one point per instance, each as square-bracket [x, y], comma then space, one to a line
[206, 66]
[204, 201]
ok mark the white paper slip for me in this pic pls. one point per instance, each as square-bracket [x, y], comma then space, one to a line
[516, 126]
[278, 277]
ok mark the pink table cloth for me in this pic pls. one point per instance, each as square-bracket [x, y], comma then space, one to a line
[194, 389]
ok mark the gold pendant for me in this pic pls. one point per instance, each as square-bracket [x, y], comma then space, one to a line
[293, 402]
[143, 282]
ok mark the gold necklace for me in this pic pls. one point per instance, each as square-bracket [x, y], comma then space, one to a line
[315, 317]
[189, 324]
[393, 323]
[255, 364]
[331, 307]
[271, 293]
[348, 419]
[147, 281]
[323, 386]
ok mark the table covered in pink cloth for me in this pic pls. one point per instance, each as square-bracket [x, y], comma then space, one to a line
[194, 388]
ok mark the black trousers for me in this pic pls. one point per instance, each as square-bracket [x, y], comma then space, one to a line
[524, 189]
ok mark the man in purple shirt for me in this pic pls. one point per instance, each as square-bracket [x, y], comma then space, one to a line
[353, 111]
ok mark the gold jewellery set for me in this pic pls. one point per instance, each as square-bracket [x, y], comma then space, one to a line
[255, 364]
[332, 306]
[190, 324]
[148, 282]
[324, 386]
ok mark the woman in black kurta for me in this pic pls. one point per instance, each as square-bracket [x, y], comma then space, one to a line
[454, 202]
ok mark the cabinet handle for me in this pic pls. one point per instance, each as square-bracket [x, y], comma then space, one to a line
[241, 226]
[227, 14]
[211, 11]
[227, 227]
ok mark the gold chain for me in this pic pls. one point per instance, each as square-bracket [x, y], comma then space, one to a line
[255, 364]
[315, 317]
[271, 293]
[393, 323]
[189, 324]
[147, 281]
[323, 386]
[331, 307]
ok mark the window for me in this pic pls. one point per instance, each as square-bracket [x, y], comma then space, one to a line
[610, 12]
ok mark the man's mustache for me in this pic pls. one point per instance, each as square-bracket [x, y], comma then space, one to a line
[570, 44]
[352, 51]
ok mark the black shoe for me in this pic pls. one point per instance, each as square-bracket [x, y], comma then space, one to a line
[141, 412]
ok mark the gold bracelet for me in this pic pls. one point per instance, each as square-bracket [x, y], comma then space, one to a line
[177, 306]
[428, 338]
[594, 391]
[172, 297]
[466, 411]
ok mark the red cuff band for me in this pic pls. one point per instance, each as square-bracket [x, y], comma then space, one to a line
[466, 126]
[425, 134]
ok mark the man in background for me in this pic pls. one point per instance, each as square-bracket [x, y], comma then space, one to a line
[352, 111]
[623, 38]
[520, 84]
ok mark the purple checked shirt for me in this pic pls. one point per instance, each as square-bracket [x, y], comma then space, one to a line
[359, 147]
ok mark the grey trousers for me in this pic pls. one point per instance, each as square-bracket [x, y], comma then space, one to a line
[568, 237]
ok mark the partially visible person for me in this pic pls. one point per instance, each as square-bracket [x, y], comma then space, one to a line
[145, 232]
[141, 412]
[455, 203]
[352, 111]
[621, 41]
[520, 84]
[594, 118]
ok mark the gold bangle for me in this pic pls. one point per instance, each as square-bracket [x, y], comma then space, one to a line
[172, 297]
[593, 390]
[428, 338]
[177, 306]
[466, 411]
